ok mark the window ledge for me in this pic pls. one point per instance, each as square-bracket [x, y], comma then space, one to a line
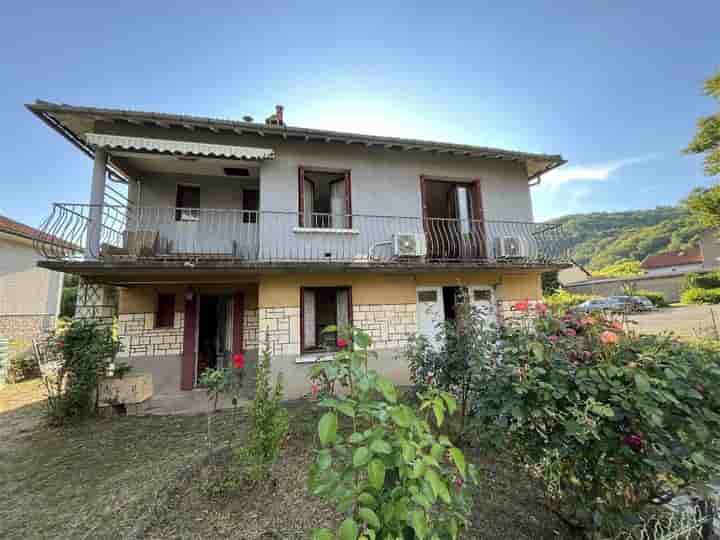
[313, 358]
[323, 230]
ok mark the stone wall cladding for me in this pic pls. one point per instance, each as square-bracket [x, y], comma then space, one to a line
[250, 329]
[507, 312]
[281, 326]
[389, 325]
[139, 337]
[25, 328]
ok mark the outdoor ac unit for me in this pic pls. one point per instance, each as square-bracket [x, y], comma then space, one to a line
[508, 247]
[409, 245]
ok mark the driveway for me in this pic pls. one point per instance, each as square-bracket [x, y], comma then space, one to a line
[686, 321]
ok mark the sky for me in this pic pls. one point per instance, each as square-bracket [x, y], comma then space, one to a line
[615, 87]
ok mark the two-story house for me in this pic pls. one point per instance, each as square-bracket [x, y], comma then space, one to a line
[234, 232]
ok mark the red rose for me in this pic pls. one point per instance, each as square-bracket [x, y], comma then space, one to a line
[634, 441]
[521, 306]
[429, 380]
[60, 344]
[238, 360]
[341, 343]
[608, 337]
[540, 307]
[315, 390]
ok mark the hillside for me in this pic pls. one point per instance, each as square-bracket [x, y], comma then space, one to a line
[603, 238]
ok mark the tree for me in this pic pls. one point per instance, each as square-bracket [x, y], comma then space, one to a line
[624, 268]
[706, 203]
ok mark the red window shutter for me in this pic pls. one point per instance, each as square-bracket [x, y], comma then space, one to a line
[187, 367]
[238, 319]
[165, 315]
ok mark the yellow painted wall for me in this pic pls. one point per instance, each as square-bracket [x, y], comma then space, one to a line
[284, 291]
[144, 299]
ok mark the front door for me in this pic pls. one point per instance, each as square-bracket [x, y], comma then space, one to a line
[430, 312]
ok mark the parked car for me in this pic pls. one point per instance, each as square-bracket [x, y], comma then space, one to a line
[624, 303]
[595, 305]
[643, 304]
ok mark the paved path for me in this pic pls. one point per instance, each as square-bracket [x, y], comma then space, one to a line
[686, 321]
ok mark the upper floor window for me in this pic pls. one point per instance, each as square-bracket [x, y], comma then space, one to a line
[324, 198]
[187, 203]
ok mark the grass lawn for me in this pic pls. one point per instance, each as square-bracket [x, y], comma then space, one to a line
[110, 478]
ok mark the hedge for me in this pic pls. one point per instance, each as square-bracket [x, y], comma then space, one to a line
[562, 300]
[709, 280]
[696, 295]
[657, 298]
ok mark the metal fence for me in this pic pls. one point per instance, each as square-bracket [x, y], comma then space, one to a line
[242, 235]
[691, 519]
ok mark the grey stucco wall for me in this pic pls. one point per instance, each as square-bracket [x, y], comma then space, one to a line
[670, 286]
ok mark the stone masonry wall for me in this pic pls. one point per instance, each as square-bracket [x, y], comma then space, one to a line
[25, 328]
[282, 326]
[139, 337]
[389, 325]
[250, 329]
[507, 311]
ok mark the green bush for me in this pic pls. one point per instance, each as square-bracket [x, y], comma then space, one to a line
[657, 298]
[22, 363]
[391, 476]
[562, 300]
[697, 295]
[604, 419]
[708, 280]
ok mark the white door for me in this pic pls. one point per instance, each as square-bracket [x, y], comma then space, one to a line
[482, 298]
[430, 312]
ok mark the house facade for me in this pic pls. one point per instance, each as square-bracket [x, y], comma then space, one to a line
[29, 296]
[224, 236]
[674, 262]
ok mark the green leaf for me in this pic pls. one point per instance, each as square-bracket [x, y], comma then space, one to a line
[437, 451]
[408, 451]
[642, 383]
[459, 460]
[356, 438]
[450, 401]
[324, 460]
[402, 415]
[378, 446]
[327, 429]
[538, 350]
[366, 499]
[388, 389]
[369, 517]
[418, 522]
[345, 407]
[376, 474]
[363, 340]
[323, 534]
[437, 485]
[418, 469]
[361, 456]
[439, 413]
[348, 530]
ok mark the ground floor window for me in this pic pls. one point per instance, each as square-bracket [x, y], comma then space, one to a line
[321, 307]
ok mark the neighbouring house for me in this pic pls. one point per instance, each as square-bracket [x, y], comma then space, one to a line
[239, 236]
[673, 262]
[573, 274]
[29, 295]
[710, 246]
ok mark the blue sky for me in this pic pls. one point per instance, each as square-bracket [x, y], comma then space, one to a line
[613, 86]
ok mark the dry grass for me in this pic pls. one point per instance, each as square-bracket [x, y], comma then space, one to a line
[103, 479]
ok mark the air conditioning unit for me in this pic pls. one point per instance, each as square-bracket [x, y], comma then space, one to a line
[409, 245]
[508, 247]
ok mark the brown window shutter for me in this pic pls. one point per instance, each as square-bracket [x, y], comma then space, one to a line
[477, 205]
[348, 199]
[187, 367]
[238, 318]
[301, 195]
[165, 315]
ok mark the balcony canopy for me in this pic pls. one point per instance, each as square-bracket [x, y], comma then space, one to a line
[181, 148]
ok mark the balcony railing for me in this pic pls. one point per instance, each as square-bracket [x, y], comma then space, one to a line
[274, 237]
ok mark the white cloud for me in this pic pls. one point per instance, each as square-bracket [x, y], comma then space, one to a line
[594, 172]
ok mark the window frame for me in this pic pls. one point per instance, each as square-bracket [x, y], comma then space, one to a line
[160, 322]
[302, 169]
[192, 215]
[348, 288]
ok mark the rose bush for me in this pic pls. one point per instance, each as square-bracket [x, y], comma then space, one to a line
[604, 417]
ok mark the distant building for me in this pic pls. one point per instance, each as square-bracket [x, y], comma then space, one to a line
[29, 295]
[574, 274]
[710, 247]
[674, 262]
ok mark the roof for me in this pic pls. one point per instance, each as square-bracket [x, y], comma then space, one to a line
[673, 258]
[178, 147]
[74, 121]
[10, 226]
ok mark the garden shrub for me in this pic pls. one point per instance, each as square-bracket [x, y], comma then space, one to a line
[709, 280]
[605, 419]
[391, 475]
[462, 345]
[22, 364]
[697, 295]
[268, 422]
[83, 350]
[657, 298]
[562, 300]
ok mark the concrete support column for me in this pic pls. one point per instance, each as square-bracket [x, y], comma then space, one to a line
[97, 197]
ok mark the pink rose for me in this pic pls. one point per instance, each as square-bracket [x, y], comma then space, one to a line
[570, 332]
[608, 337]
[552, 339]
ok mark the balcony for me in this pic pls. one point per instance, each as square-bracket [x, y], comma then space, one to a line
[206, 236]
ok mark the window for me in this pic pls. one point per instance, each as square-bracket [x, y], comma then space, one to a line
[321, 307]
[324, 199]
[165, 315]
[251, 203]
[187, 201]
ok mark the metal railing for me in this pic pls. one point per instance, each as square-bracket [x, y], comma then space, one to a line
[266, 237]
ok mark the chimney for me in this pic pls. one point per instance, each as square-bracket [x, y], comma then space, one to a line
[279, 114]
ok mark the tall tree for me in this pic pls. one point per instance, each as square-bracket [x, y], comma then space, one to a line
[706, 203]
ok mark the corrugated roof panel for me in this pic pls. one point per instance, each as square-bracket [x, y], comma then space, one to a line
[189, 148]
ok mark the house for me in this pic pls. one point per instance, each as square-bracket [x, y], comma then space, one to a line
[29, 295]
[673, 262]
[241, 235]
[573, 274]
[710, 246]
